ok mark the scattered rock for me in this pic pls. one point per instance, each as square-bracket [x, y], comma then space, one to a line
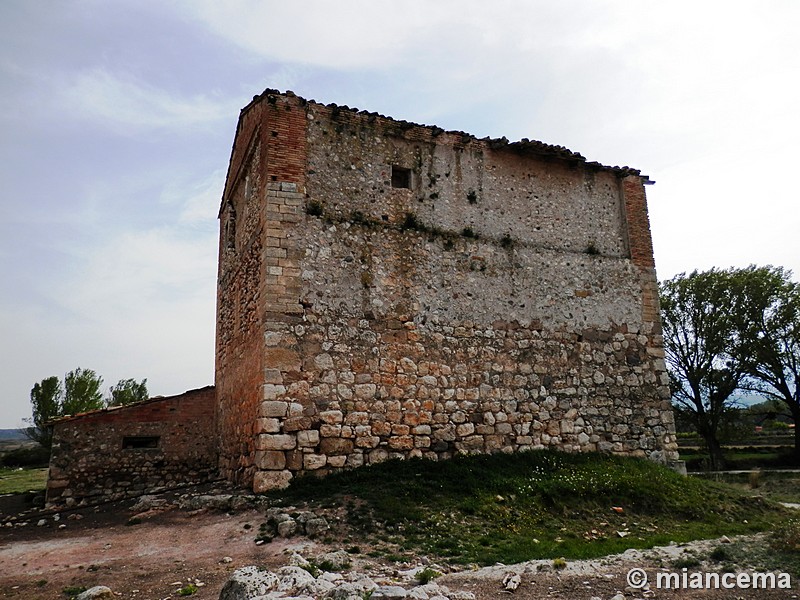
[296, 560]
[281, 523]
[247, 583]
[389, 592]
[511, 581]
[41, 523]
[98, 592]
[146, 503]
[315, 527]
[287, 528]
[334, 561]
[293, 579]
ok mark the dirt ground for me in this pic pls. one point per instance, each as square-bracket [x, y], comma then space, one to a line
[168, 549]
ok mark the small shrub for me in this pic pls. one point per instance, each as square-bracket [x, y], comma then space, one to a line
[353, 550]
[73, 590]
[314, 208]
[187, 590]
[720, 554]
[686, 563]
[411, 222]
[506, 241]
[327, 565]
[467, 232]
[559, 563]
[41, 583]
[366, 279]
[134, 521]
[448, 244]
[472, 197]
[787, 539]
[312, 568]
[358, 218]
[592, 249]
[427, 575]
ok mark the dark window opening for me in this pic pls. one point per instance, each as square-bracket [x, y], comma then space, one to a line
[135, 442]
[401, 178]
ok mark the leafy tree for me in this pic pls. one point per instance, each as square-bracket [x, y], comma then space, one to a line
[81, 392]
[46, 404]
[768, 319]
[699, 336]
[128, 391]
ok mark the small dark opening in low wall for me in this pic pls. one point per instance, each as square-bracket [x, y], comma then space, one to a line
[136, 442]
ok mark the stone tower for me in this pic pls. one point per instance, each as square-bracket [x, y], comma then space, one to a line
[388, 289]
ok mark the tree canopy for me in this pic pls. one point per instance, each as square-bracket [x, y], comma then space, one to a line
[729, 330]
[128, 391]
[79, 393]
[699, 336]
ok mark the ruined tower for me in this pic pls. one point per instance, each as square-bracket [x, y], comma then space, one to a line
[391, 289]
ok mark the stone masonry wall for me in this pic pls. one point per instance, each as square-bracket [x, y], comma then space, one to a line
[504, 300]
[90, 461]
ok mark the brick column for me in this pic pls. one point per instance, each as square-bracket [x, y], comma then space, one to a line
[640, 244]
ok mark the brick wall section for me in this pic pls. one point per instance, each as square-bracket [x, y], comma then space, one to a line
[517, 310]
[640, 245]
[285, 128]
[88, 463]
[638, 224]
[258, 279]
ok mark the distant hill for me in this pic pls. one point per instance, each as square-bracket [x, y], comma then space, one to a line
[11, 435]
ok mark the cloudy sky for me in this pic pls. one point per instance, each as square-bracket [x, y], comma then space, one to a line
[117, 118]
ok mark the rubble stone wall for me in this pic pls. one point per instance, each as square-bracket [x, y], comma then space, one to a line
[127, 451]
[493, 297]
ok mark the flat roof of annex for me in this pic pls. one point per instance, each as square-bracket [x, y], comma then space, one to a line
[524, 146]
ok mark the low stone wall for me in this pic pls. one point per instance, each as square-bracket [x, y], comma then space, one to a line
[127, 451]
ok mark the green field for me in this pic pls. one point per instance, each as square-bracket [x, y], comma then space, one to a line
[22, 480]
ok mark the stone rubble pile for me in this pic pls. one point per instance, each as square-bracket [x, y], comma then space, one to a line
[283, 522]
[303, 581]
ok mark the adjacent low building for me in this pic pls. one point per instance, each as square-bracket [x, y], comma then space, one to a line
[124, 451]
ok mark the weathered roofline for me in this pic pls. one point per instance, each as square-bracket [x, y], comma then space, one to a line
[108, 409]
[523, 146]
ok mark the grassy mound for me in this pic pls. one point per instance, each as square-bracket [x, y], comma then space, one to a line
[509, 508]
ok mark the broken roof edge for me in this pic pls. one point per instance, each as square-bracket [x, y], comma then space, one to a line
[108, 409]
[523, 146]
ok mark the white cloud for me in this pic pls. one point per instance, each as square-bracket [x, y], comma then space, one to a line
[126, 104]
[199, 200]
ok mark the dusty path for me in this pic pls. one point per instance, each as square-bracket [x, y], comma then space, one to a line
[141, 561]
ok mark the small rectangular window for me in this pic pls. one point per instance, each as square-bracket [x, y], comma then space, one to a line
[136, 442]
[401, 177]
